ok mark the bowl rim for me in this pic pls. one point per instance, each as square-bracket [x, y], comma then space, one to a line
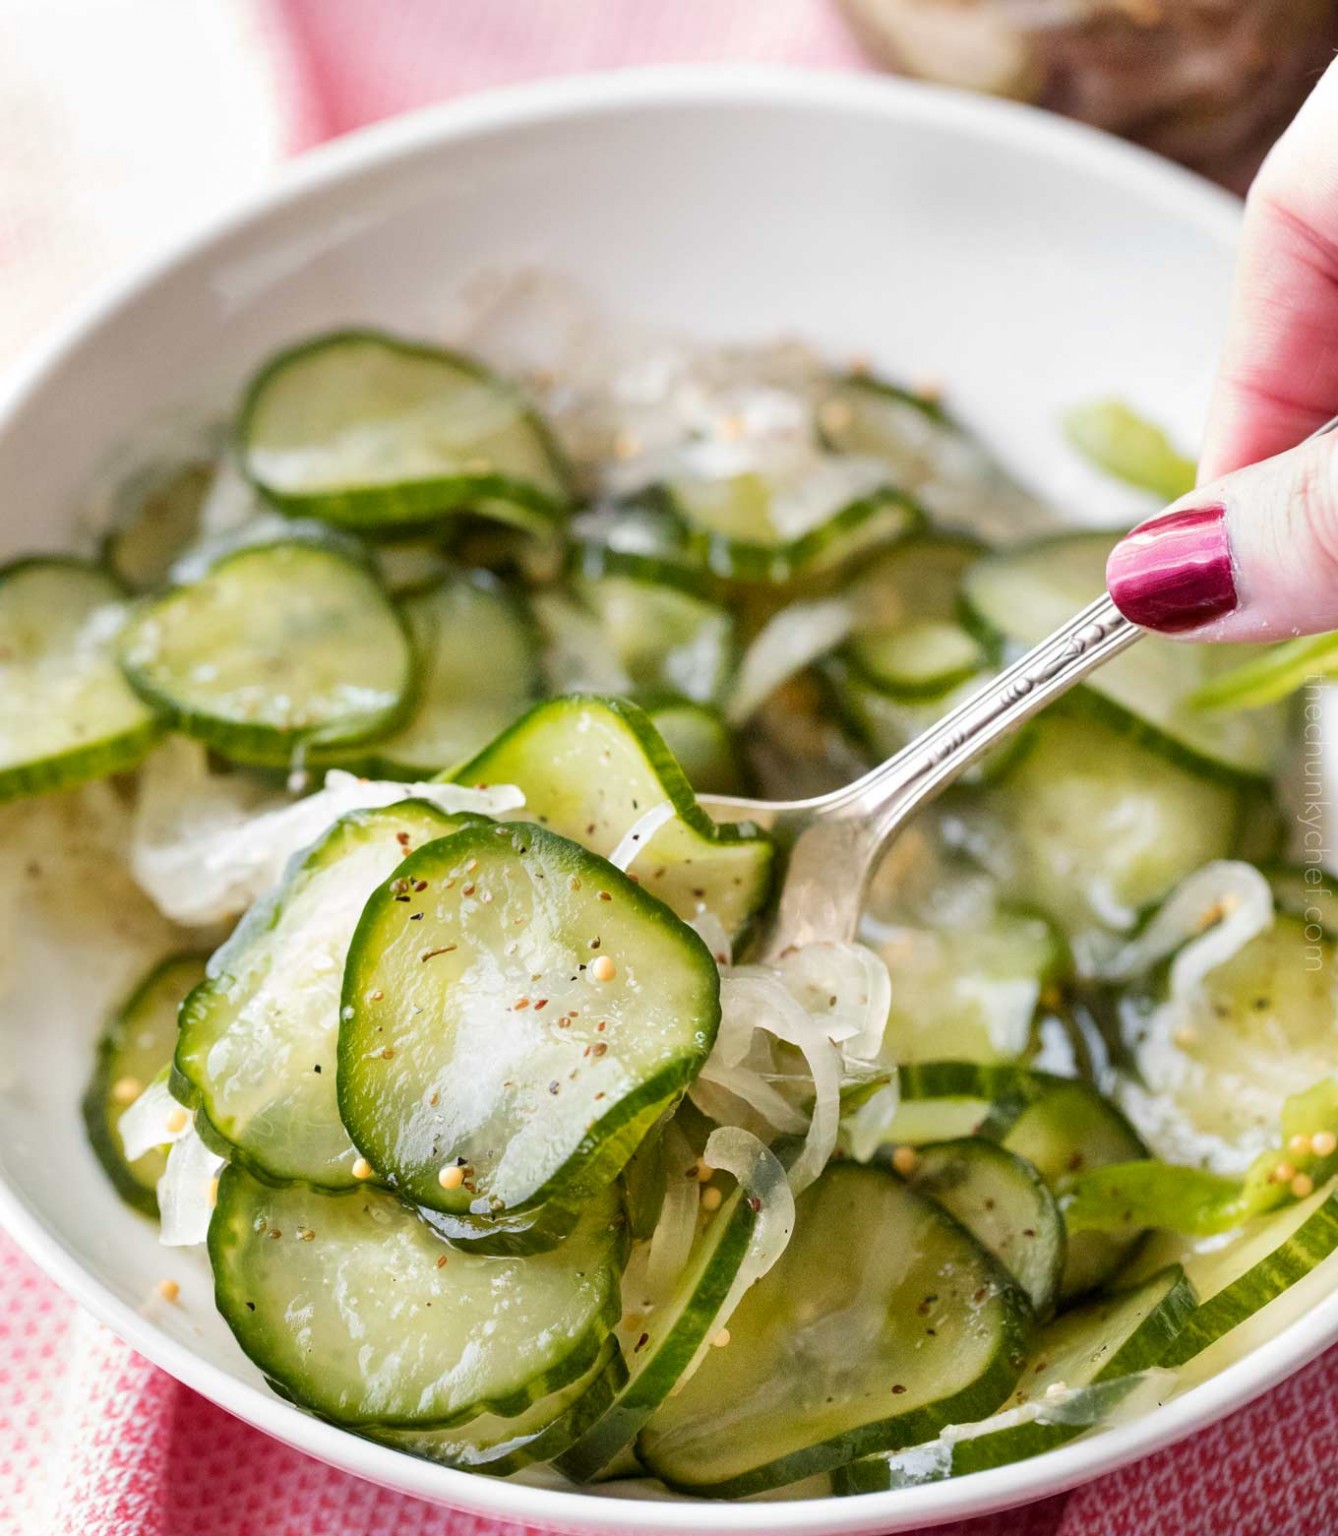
[382, 148]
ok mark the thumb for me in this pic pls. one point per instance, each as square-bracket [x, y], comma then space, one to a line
[1252, 556]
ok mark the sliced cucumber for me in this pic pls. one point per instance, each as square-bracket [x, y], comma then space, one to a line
[1200, 1203]
[970, 991]
[882, 1321]
[257, 1052]
[920, 578]
[1217, 1061]
[945, 1100]
[882, 723]
[664, 1332]
[161, 521]
[329, 1295]
[498, 1446]
[415, 566]
[908, 643]
[1004, 1204]
[480, 666]
[590, 768]
[929, 456]
[136, 1045]
[752, 528]
[662, 633]
[277, 649]
[1235, 1280]
[1019, 597]
[1065, 1132]
[701, 742]
[68, 715]
[373, 433]
[921, 659]
[1094, 827]
[517, 1014]
[1083, 1366]
[1128, 446]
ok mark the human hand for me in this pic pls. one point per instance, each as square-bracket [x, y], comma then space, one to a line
[1252, 554]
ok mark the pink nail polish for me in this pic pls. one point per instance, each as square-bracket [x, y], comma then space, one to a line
[1174, 573]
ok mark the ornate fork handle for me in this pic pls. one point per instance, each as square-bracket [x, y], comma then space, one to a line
[835, 852]
[888, 794]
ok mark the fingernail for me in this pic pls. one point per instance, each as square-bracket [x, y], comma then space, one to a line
[1174, 573]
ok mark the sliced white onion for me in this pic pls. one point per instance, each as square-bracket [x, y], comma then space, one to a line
[847, 987]
[671, 1241]
[1213, 915]
[634, 840]
[155, 1119]
[205, 845]
[764, 1183]
[754, 997]
[786, 644]
[750, 1088]
[186, 1192]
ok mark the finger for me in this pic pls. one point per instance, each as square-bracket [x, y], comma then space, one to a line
[1251, 556]
[1278, 376]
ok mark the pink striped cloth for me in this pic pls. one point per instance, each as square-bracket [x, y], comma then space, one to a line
[94, 1441]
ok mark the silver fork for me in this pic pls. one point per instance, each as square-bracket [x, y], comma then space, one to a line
[833, 841]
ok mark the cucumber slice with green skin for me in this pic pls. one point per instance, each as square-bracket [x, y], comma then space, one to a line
[497, 1446]
[380, 435]
[329, 1295]
[1233, 1282]
[68, 715]
[1004, 1204]
[945, 1100]
[661, 635]
[480, 671]
[920, 660]
[414, 567]
[929, 456]
[1067, 1131]
[276, 650]
[163, 520]
[1017, 598]
[730, 528]
[662, 1338]
[1124, 444]
[972, 992]
[257, 1052]
[644, 1182]
[882, 724]
[525, 1016]
[920, 578]
[941, 1334]
[908, 644]
[1084, 1364]
[591, 767]
[135, 1047]
[1217, 1065]
[1306, 891]
[1095, 827]
[701, 742]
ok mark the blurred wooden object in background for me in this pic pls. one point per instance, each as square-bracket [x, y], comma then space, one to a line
[1209, 82]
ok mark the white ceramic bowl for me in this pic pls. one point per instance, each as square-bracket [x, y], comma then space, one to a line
[1025, 262]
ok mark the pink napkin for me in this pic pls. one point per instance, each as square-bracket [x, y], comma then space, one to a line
[94, 1441]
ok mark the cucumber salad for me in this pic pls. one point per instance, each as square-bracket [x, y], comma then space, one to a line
[381, 716]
